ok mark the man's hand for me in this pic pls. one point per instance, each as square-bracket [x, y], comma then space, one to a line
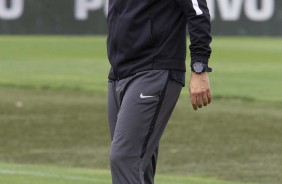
[200, 92]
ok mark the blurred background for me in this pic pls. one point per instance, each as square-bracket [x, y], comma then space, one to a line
[53, 96]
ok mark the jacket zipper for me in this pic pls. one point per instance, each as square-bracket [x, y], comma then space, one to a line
[114, 40]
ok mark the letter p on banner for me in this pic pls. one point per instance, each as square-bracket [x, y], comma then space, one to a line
[82, 8]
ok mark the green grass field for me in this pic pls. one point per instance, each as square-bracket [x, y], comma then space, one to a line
[28, 174]
[53, 121]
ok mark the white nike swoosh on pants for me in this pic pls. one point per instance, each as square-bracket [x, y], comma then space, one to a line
[142, 96]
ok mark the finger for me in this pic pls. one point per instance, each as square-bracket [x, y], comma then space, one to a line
[200, 101]
[209, 96]
[205, 99]
[194, 102]
[195, 107]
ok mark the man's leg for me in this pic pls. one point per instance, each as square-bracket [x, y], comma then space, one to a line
[150, 171]
[147, 101]
[172, 93]
[113, 107]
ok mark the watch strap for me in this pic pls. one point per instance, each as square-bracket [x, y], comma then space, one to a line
[209, 69]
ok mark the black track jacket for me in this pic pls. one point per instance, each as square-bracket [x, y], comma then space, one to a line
[151, 34]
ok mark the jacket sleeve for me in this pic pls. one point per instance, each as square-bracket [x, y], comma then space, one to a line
[199, 25]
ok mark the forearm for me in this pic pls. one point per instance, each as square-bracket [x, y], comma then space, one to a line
[200, 35]
[198, 20]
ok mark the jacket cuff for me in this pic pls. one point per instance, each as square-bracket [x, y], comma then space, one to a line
[202, 59]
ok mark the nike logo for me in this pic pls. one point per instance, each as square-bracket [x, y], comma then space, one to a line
[142, 96]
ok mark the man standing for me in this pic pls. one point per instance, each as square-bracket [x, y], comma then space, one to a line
[147, 50]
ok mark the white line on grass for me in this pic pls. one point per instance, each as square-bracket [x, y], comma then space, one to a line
[41, 174]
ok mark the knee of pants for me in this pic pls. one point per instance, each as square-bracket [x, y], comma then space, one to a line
[121, 157]
[117, 156]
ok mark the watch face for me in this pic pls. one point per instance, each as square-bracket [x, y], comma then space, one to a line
[198, 67]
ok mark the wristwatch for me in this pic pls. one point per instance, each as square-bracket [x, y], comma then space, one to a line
[199, 67]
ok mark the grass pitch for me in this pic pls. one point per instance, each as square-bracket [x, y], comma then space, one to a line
[53, 115]
[30, 174]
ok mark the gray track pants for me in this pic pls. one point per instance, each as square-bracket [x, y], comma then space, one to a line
[139, 108]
